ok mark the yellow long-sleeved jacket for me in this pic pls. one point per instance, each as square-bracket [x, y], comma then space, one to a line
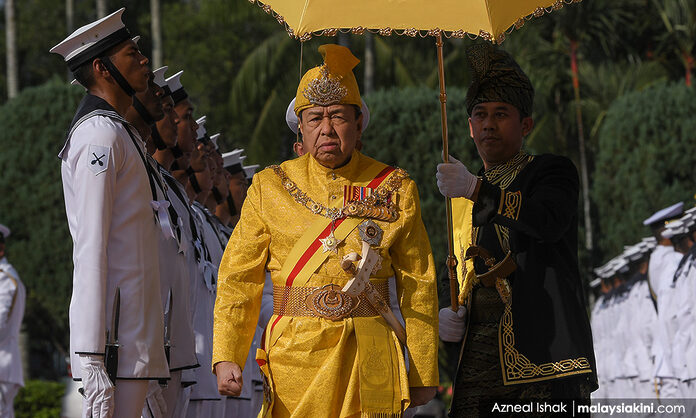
[313, 363]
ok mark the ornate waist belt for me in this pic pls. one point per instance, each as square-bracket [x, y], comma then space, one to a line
[326, 302]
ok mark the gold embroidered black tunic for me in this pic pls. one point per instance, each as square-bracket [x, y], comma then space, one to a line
[529, 207]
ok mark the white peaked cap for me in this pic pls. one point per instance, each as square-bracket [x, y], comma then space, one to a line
[674, 228]
[665, 214]
[214, 139]
[231, 158]
[293, 122]
[633, 253]
[595, 283]
[250, 170]
[93, 39]
[4, 231]
[174, 82]
[200, 132]
[159, 76]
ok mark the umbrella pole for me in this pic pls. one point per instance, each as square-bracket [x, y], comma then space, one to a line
[451, 259]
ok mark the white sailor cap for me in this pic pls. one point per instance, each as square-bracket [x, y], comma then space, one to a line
[74, 82]
[177, 89]
[4, 231]
[633, 253]
[200, 132]
[675, 228]
[650, 242]
[595, 283]
[293, 122]
[214, 140]
[92, 40]
[250, 170]
[232, 161]
[160, 80]
[621, 265]
[661, 216]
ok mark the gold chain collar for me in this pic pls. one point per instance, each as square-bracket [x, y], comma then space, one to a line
[375, 206]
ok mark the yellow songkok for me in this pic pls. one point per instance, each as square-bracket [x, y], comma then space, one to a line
[330, 83]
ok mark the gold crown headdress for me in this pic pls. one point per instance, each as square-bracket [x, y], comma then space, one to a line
[330, 83]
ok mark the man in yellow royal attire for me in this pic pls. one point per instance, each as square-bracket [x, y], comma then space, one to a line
[332, 227]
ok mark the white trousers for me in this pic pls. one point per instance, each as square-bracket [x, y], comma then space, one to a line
[8, 391]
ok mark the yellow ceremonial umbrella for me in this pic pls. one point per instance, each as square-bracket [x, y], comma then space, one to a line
[487, 19]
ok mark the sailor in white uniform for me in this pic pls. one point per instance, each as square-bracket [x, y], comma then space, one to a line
[147, 112]
[664, 261]
[116, 321]
[638, 328]
[681, 233]
[596, 322]
[206, 401]
[12, 299]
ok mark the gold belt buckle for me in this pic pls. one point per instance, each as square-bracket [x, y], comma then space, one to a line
[331, 303]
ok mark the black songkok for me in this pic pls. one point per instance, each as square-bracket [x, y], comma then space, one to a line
[496, 77]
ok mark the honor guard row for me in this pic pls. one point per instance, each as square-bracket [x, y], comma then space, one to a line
[151, 202]
[647, 292]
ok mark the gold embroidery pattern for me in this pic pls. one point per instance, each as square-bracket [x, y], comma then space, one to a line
[502, 176]
[413, 32]
[518, 369]
[324, 90]
[512, 204]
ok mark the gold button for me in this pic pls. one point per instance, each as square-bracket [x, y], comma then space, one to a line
[333, 196]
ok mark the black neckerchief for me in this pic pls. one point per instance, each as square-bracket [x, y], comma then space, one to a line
[173, 184]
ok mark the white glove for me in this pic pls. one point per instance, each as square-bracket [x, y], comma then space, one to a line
[452, 324]
[155, 405]
[98, 389]
[455, 180]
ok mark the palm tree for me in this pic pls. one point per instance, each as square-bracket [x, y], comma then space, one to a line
[586, 26]
[11, 52]
[679, 19]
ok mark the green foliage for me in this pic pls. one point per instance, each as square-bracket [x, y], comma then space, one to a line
[34, 125]
[39, 399]
[405, 131]
[645, 160]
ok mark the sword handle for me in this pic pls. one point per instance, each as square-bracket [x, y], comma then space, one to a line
[111, 361]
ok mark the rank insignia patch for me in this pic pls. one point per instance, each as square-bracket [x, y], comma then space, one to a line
[98, 158]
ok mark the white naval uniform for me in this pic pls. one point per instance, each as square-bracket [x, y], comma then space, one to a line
[599, 342]
[206, 401]
[114, 243]
[12, 299]
[663, 264]
[684, 347]
[174, 277]
[619, 376]
[643, 317]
